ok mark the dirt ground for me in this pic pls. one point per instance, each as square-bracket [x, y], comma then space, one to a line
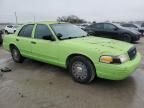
[38, 85]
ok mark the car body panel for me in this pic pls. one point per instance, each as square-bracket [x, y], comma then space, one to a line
[57, 52]
[118, 72]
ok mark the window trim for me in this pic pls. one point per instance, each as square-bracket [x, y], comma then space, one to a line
[22, 28]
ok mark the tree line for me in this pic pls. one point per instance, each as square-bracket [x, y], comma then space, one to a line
[71, 19]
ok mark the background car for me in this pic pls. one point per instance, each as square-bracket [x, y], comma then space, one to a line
[113, 31]
[134, 26]
[10, 29]
[142, 26]
[1, 39]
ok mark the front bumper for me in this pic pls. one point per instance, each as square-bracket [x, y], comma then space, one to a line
[136, 37]
[117, 71]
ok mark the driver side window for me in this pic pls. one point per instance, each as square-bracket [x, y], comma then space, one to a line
[42, 31]
[109, 27]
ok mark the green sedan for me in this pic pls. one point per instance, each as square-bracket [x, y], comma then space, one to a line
[67, 46]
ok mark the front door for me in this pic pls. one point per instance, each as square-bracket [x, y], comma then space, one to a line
[44, 47]
[110, 31]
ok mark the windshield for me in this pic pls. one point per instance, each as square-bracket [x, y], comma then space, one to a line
[68, 31]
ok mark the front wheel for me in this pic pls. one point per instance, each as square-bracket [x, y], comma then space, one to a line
[81, 69]
[127, 38]
[17, 57]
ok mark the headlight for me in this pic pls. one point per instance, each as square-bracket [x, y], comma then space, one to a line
[114, 59]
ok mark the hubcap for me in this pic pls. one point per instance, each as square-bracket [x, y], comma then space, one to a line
[79, 70]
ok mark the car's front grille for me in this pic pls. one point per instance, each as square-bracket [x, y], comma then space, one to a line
[132, 53]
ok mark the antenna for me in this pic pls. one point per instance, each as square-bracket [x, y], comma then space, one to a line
[16, 18]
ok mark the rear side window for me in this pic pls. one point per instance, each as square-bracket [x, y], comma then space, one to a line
[26, 31]
[41, 31]
[10, 26]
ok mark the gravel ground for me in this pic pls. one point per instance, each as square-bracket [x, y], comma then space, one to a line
[38, 85]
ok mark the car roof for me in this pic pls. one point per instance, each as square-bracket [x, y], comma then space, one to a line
[116, 24]
[106, 23]
[47, 22]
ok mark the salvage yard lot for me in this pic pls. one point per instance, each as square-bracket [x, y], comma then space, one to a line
[38, 85]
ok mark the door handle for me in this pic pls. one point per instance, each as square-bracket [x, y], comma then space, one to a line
[17, 39]
[33, 42]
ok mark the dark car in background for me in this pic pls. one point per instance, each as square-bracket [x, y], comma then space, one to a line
[142, 25]
[1, 39]
[133, 26]
[113, 31]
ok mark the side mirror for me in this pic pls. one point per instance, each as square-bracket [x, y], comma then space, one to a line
[49, 37]
[59, 35]
[115, 29]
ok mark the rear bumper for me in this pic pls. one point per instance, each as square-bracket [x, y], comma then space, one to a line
[118, 72]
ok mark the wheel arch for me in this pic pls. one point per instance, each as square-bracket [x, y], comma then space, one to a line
[126, 33]
[77, 54]
[11, 45]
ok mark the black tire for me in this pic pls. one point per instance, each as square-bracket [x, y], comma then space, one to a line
[127, 38]
[1, 40]
[87, 72]
[17, 57]
[6, 32]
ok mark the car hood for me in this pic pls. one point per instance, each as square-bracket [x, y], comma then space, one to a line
[102, 45]
[132, 30]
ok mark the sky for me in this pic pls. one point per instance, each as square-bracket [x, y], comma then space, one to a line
[90, 10]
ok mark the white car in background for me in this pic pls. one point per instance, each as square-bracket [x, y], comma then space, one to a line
[10, 29]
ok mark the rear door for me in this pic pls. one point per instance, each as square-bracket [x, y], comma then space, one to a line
[23, 40]
[44, 47]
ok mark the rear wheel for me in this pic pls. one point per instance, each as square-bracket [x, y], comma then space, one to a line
[6, 32]
[17, 57]
[81, 69]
